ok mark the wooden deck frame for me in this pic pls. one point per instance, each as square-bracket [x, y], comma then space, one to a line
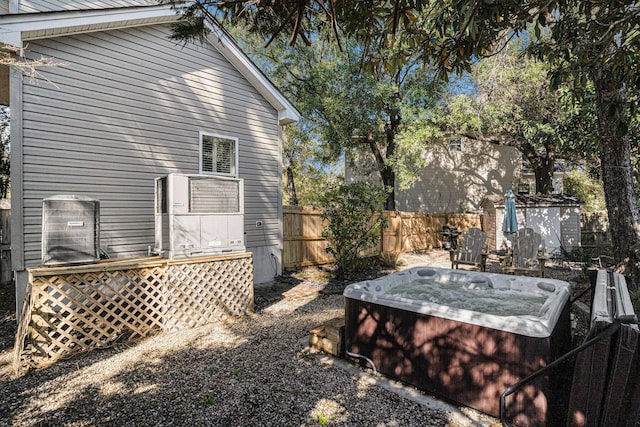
[73, 309]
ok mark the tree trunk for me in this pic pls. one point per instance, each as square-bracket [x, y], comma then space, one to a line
[542, 165]
[616, 173]
[291, 187]
[544, 177]
[388, 180]
[387, 172]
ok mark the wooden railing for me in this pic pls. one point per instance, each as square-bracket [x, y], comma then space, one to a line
[406, 232]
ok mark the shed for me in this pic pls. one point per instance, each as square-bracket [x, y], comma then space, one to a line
[555, 216]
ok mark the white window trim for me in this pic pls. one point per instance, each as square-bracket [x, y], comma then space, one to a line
[217, 135]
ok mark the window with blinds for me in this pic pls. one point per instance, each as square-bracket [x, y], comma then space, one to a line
[218, 154]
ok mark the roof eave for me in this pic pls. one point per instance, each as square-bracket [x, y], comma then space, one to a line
[15, 29]
[225, 44]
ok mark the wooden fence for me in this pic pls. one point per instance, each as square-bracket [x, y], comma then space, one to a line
[594, 230]
[406, 232]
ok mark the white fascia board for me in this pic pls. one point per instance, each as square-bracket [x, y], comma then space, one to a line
[18, 28]
[219, 39]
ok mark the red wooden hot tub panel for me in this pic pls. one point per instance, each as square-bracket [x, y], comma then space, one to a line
[459, 361]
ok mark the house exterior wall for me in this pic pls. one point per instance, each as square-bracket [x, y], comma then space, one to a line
[125, 106]
[557, 181]
[458, 181]
[4, 7]
[32, 6]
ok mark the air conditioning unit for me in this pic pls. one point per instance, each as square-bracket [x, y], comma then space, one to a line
[198, 215]
[70, 230]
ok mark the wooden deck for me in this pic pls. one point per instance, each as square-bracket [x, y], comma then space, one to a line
[74, 309]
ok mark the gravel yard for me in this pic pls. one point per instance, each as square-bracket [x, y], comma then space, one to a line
[256, 370]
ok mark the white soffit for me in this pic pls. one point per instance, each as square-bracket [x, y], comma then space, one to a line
[19, 28]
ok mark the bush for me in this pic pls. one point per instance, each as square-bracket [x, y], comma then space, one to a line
[353, 213]
[581, 185]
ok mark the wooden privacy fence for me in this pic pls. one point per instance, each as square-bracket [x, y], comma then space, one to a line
[74, 309]
[406, 232]
[594, 230]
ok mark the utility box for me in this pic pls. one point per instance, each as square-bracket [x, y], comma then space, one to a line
[198, 215]
[70, 230]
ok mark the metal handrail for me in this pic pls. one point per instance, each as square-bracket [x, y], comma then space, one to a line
[606, 333]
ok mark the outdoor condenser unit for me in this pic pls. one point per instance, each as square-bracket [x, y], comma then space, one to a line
[70, 230]
[199, 215]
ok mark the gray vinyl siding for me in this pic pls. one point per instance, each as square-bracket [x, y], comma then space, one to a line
[32, 6]
[125, 106]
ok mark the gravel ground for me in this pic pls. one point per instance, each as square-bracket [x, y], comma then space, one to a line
[252, 371]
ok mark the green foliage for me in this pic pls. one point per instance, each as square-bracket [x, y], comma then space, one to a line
[307, 356]
[580, 184]
[392, 259]
[306, 175]
[353, 213]
[514, 103]
[381, 117]
[208, 399]
[322, 420]
[586, 42]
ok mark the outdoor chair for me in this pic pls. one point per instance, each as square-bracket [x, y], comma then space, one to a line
[525, 256]
[470, 251]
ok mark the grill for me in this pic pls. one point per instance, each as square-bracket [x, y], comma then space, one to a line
[449, 237]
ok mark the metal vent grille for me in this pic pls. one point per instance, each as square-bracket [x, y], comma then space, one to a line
[70, 230]
[214, 195]
[161, 195]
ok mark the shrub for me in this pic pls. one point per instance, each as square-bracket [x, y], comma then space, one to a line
[581, 185]
[353, 213]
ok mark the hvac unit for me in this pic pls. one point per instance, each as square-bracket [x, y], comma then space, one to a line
[70, 230]
[199, 215]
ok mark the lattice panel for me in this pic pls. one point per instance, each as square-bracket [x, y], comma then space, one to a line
[192, 300]
[76, 309]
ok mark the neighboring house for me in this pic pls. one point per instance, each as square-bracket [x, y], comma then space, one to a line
[124, 105]
[527, 183]
[459, 174]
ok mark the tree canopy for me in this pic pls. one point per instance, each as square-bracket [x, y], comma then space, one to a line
[378, 117]
[590, 42]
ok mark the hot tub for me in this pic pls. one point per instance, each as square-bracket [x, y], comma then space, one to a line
[463, 335]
